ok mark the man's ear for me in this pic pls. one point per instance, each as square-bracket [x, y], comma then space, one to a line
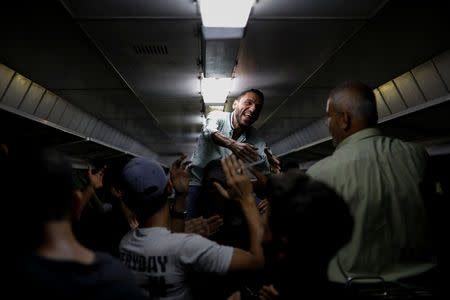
[235, 103]
[345, 121]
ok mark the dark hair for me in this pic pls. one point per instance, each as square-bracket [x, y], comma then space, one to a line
[363, 100]
[143, 207]
[256, 91]
[148, 208]
[310, 214]
[43, 182]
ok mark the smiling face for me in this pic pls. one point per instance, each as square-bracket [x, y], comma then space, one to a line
[246, 110]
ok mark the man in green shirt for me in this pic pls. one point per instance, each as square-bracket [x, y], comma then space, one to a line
[381, 179]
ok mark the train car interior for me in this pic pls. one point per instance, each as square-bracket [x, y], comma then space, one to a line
[107, 80]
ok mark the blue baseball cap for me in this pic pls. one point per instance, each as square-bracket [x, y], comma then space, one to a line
[144, 179]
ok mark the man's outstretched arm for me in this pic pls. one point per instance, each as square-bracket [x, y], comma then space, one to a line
[244, 151]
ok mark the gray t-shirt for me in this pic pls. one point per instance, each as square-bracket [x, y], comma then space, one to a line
[161, 260]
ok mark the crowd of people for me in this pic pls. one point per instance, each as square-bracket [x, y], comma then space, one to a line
[212, 228]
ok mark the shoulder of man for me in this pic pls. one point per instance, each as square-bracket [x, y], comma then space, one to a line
[189, 237]
[416, 150]
[191, 243]
[318, 168]
[412, 147]
[203, 254]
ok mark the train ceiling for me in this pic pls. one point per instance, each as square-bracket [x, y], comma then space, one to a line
[136, 65]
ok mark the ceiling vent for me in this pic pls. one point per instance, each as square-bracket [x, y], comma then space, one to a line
[143, 49]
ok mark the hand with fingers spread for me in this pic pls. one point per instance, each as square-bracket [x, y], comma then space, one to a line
[179, 175]
[244, 151]
[240, 189]
[95, 181]
[275, 165]
[239, 185]
[214, 224]
[204, 227]
[196, 225]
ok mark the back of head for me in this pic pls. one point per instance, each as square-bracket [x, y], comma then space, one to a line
[144, 185]
[42, 179]
[358, 99]
[40, 189]
[313, 218]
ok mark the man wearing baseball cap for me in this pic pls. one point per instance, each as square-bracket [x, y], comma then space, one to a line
[161, 259]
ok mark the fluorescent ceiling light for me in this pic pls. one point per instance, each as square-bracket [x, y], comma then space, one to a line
[215, 90]
[225, 13]
[217, 107]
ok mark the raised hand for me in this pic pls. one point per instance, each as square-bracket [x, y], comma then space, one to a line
[96, 180]
[240, 187]
[179, 175]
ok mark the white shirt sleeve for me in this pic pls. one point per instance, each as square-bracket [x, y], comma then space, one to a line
[203, 255]
[213, 123]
